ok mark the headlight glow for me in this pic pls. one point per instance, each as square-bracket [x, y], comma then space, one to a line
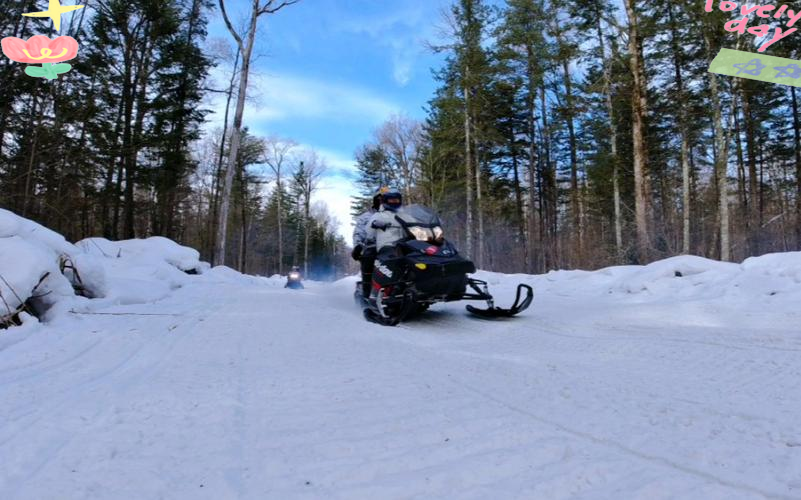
[294, 276]
[421, 233]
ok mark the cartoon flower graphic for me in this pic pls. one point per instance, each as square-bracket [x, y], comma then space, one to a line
[42, 50]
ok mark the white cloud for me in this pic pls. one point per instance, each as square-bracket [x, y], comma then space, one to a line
[403, 66]
[338, 164]
[286, 96]
[402, 31]
[274, 98]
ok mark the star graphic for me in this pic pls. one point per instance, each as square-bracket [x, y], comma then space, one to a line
[54, 12]
[743, 67]
[791, 70]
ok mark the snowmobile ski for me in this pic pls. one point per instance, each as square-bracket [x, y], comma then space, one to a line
[499, 312]
[492, 312]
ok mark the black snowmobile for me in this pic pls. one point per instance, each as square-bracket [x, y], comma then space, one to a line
[294, 280]
[424, 269]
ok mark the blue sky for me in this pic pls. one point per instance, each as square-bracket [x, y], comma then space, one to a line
[328, 72]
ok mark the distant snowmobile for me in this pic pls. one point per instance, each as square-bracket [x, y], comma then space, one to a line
[294, 280]
[427, 269]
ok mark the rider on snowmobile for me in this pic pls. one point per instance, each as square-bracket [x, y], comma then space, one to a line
[364, 249]
[294, 278]
[384, 227]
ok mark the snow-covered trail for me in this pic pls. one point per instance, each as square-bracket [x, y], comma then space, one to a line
[259, 392]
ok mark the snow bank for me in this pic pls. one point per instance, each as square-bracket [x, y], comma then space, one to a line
[141, 271]
[150, 250]
[30, 257]
[686, 277]
[41, 267]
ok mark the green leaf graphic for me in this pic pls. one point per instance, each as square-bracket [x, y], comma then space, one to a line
[35, 71]
[62, 68]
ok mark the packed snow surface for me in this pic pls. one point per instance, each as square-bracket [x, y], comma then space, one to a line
[675, 380]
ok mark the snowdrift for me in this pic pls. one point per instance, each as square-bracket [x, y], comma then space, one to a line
[770, 277]
[31, 258]
[40, 271]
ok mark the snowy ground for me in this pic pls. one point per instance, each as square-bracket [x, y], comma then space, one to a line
[626, 383]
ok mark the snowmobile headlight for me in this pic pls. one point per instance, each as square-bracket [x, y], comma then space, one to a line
[421, 233]
[294, 276]
[439, 234]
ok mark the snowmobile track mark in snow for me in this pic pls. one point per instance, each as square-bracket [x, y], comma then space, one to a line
[626, 449]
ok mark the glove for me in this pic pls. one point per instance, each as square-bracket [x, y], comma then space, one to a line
[379, 225]
[356, 254]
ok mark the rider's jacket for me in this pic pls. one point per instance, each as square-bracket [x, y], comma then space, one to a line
[360, 232]
[384, 229]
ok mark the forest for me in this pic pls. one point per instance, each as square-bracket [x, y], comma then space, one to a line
[563, 134]
[585, 133]
[121, 146]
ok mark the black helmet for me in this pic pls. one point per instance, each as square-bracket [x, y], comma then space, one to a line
[392, 200]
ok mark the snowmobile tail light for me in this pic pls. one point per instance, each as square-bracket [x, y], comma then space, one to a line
[421, 266]
[421, 233]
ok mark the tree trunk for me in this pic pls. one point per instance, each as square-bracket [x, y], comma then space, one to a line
[521, 228]
[279, 210]
[306, 233]
[575, 202]
[479, 213]
[549, 191]
[752, 225]
[109, 192]
[215, 197]
[721, 170]
[531, 99]
[685, 141]
[468, 172]
[236, 138]
[742, 192]
[242, 201]
[639, 106]
[797, 147]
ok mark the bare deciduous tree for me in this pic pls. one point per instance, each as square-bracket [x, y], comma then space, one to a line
[258, 8]
[402, 137]
[307, 180]
[276, 157]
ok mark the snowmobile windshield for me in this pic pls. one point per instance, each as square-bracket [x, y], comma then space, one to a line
[422, 223]
[418, 215]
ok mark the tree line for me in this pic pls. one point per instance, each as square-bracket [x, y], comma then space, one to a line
[117, 147]
[576, 134]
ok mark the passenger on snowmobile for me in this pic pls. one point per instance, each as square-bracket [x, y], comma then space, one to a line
[294, 280]
[364, 250]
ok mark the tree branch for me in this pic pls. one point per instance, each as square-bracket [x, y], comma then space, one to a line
[268, 10]
[231, 27]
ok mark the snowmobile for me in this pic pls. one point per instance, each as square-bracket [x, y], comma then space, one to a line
[425, 269]
[294, 280]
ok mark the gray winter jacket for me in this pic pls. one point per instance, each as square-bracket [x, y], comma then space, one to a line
[392, 232]
[360, 230]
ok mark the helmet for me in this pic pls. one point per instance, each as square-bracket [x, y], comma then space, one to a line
[377, 197]
[392, 200]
